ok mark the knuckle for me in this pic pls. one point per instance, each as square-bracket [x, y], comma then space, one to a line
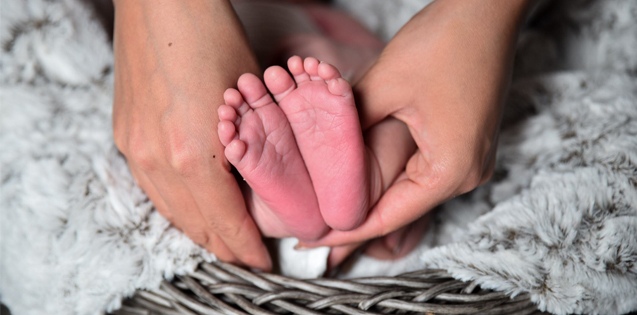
[184, 156]
[472, 179]
[140, 150]
[442, 174]
[459, 175]
[199, 236]
[143, 157]
[228, 229]
[184, 162]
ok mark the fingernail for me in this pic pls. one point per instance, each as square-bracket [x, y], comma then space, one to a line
[396, 241]
[398, 248]
[300, 247]
[268, 266]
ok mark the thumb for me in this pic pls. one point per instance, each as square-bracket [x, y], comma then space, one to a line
[404, 202]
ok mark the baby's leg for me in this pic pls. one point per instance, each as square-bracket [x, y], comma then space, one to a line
[277, 30]
[342, 27]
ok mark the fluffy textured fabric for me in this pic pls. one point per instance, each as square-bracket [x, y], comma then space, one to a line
[559, 219]
[76, 234]
[564, 227]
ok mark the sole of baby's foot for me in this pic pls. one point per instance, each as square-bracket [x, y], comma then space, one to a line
[260, 144]
[322, 113]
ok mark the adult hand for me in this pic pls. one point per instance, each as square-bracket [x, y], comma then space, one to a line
[173, 61]
[444, 75]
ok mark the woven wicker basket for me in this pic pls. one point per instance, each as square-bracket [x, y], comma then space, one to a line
[221, 288]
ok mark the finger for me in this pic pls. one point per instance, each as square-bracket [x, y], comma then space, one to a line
[390, 145]
[394, 241]
[399, 243]
[340, 253]
[219, 248]
[379, 93]
[488, 172]
[214, 245]
[490, 162]
[187, 216]
[224, 211]
[152, 193]
[404, 202]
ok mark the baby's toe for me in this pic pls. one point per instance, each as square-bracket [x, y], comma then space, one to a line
[279, 82]
[227, 132]
[253, 91]
[339, 86]
[328, 72]
[228, 113]
[233, 98]
[311, 67]
[235, 151]
[295, 65]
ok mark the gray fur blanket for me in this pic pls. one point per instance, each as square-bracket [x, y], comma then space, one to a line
[559, 219]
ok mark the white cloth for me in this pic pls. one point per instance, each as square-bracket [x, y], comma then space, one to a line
[301, 264]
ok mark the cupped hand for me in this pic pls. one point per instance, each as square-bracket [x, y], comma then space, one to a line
[173, 61]
[444, 75]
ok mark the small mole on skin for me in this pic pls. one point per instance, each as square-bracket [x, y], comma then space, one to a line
[214, 156]
[170, 44]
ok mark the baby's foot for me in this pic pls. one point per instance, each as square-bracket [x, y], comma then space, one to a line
[260, 144]
[321, 110]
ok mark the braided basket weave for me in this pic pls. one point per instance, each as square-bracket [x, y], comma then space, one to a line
[221, 288]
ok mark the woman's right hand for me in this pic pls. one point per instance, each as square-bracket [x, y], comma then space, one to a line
[444, 76]
[173, 61]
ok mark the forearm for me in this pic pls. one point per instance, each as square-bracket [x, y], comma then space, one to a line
[197, 45]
